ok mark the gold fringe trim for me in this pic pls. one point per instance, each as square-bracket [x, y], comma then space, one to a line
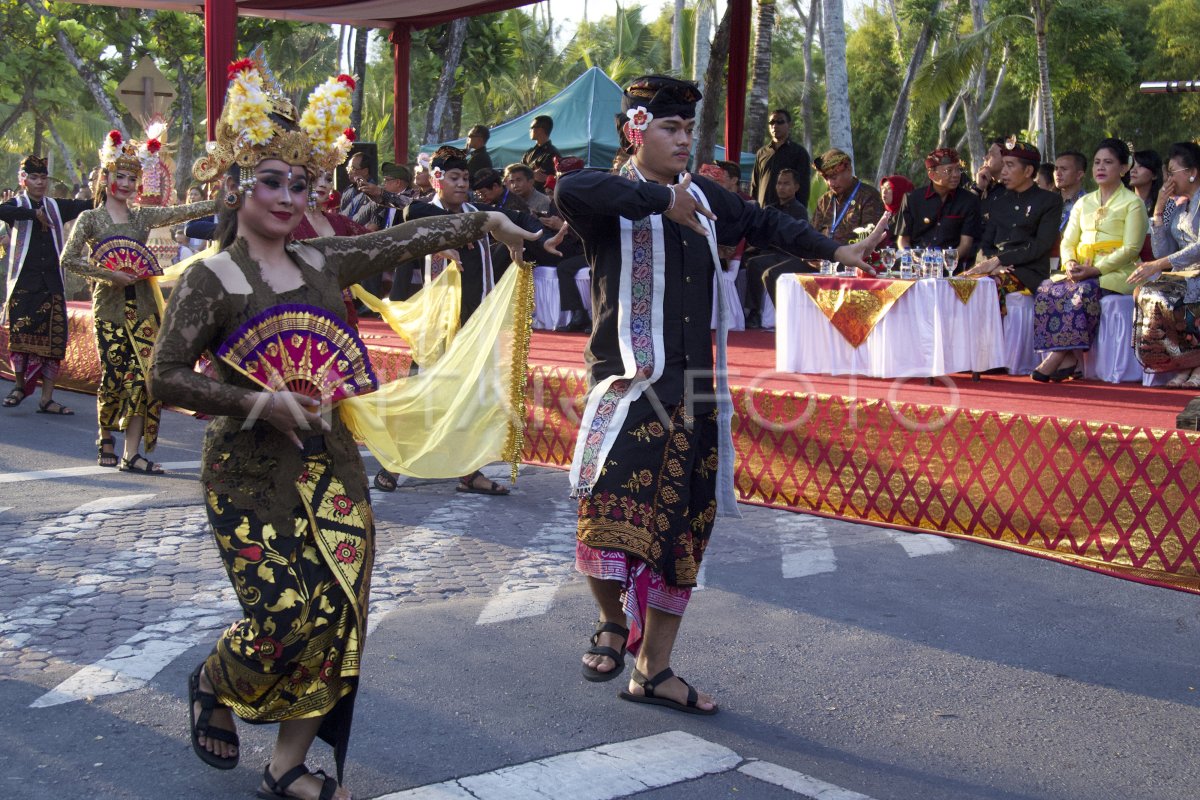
[514, 443]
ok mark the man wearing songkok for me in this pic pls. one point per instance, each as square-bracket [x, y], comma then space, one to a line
[779, 154]
[1022, 226]
[653, 463]
[849, 203]
[942, 214]
[35, 296]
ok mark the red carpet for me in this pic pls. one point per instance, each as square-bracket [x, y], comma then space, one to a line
[752, 365]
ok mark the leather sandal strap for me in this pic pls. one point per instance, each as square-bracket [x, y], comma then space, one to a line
[657, 681]
[609, 627]
[287, 779]
[328, 786]
[221, 735]
[607, 652]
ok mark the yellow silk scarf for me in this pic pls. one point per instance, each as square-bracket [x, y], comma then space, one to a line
[428, 320]
[467, 408]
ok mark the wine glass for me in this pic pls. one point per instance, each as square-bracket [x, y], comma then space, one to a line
[889, 259]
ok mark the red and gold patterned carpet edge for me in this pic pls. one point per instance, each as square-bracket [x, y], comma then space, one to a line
[1110, 498]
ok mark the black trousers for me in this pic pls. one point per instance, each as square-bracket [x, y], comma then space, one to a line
[764, 271]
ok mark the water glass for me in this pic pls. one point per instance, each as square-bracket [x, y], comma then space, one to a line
[951, 256]
[828, 267]
[888, 254]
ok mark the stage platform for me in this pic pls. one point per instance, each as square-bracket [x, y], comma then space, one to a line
[1084, 473]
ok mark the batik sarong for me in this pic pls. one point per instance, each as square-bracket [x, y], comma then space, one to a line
[37, 335]
[296, 652]
[649, 517]
[125, 352]
[1066, 314]
[1165, 331]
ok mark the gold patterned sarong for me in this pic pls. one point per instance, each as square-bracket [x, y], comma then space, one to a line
[296, 652]
[853, 306]
[125, 352]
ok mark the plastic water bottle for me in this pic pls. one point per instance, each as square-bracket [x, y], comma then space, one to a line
[906, 264]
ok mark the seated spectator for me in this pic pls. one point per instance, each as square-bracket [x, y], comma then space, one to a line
[848, 204]
[1019, 236]
[519, 179]
[764, 269]
[1069, 170]
[1146, 178]
[489, 188]
[1168, 307]
[892, 190]
[941, 214]
[1099, 249]
[1045, 176]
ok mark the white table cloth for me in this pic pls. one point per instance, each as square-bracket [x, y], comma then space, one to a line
[928, 332]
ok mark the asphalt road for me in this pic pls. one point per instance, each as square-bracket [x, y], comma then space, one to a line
[850, 662]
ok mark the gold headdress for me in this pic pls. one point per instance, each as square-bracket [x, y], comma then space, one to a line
[118, 154]
[259, 122]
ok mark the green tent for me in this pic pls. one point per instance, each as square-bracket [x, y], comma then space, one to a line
[584, 115]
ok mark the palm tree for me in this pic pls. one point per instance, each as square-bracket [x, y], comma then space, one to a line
[837, 79]
[760, 82]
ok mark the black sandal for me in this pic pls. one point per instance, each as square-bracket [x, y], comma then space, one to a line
[200, 727]
[133, 465]
[48, 407]
[595, 675]
[14, 398]
[467, 484]
[278, 788]
[104, 459]
[649, 684]
[385, 481]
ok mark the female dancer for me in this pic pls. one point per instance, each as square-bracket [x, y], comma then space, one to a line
[286, 492]
[125, 308]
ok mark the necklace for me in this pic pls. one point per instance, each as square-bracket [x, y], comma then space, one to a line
[1102, 212]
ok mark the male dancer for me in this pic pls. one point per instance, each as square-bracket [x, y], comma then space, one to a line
[35, 298]
[654, 459]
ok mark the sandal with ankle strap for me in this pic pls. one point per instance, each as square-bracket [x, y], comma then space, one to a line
[279, 788]
[139, 463]
[650, 684]
[200, 727]
[104, 459]
[14, 398]
[595, 675]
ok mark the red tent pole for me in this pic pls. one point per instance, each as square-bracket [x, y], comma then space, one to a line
[401, 56]
[220, 44]
[735, 93]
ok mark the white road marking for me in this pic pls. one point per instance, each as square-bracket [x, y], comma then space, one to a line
[599, 773]
[805, 546]
[135, 663]
[798, 782]
[548, 562]
[419, 547]
[921, 544]
[5, 508]
[75, 472]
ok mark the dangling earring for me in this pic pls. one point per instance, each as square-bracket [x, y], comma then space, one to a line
[312, 200]
[233, 200]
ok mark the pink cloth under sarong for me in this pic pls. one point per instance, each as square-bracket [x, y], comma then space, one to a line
[643, 587]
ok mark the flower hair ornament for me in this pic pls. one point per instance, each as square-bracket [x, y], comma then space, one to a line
[435, 177]
[257, 123]
[638, 120]
[116, 154]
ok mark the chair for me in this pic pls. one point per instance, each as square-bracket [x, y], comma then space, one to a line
[1112, 358]
[1019, 356]
[547, 307]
